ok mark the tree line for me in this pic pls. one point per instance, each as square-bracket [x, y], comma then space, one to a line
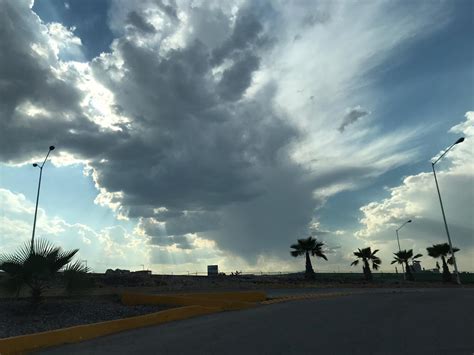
[366, 256]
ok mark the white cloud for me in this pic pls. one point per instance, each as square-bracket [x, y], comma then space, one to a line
[62, 40]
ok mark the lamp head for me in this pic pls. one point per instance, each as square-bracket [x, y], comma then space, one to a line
[51, 147]
[460, 140]
[409, 221]
[35, 165]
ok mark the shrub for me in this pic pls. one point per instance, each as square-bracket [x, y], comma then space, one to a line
[38, 267]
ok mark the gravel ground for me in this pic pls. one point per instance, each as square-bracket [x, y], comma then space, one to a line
[17, 317]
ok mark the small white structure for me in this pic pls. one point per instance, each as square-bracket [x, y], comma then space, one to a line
[212, 270]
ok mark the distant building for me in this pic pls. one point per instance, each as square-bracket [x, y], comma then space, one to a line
[212, 270]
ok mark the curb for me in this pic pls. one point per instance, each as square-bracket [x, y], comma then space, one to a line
[307, 296]
[224, 301]
[23, 343]
[244, 296]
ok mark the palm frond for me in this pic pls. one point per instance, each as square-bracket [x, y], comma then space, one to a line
[76, 266]
[295, 246]
[45, 248]
[296, 253]
[355, 262]
[64, 258]
[376, 260]
[75, 276]
[19, 256]
[319, 253]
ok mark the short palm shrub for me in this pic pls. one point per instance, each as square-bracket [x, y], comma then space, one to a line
[38, 267]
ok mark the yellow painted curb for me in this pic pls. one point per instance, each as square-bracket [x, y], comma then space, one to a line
[243, 296]
[222, 300]
[306, 296]
[24, 343]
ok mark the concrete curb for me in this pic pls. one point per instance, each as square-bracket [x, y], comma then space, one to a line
[244, 296]
[24, 343]
[224, 301]
[308, 296]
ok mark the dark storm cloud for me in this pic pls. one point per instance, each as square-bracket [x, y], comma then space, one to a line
[179, 241]
[211, 27]
[237, 78]
[249, 34]
[200, 151]
[197, 157]
[320, 17]
[226, 161]
[352, 115]
[139, 22]
[169, 8]
[28, 78]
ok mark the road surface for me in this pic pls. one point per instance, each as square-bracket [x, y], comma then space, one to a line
[431, 321]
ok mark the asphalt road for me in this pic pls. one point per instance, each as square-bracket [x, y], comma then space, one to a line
[380, 322]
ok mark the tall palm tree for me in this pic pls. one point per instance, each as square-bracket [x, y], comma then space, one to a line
[442, 251]
[403, 257]
[305, 247]
[37, 267]
[367, 255]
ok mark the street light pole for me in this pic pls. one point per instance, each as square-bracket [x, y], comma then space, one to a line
[460, 140]
[37, 196]
[398, 241]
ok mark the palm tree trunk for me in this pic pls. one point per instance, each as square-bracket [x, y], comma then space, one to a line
[446, 273]
[408, 272]
[367, 272]
[309, 267]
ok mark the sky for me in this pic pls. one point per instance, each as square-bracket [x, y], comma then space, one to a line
[191, 133]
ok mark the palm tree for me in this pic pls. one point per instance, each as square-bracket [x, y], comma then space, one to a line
[305, 247]
[442, 251]
[402, 257]
[367, 255]
[37, 267]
